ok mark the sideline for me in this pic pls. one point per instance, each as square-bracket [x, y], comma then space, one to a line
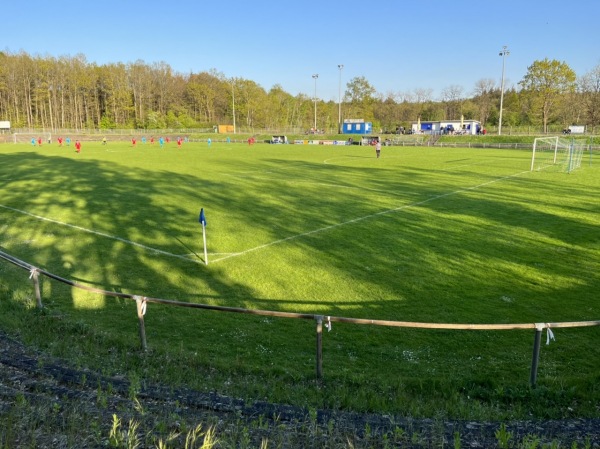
[356, 220]
[273, 243]
[101, 234]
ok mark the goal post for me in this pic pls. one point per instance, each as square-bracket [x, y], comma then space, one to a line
[557, 153]
[548, 145]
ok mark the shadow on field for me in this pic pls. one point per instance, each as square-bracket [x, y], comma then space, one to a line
[116, 231]
[427, 241]
[403, 249]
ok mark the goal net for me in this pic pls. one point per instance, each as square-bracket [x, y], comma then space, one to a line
[32, 138]
[557, 154]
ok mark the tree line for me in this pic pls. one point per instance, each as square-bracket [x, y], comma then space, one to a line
[68, 92]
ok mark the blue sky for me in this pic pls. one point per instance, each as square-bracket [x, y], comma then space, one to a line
[397, 46]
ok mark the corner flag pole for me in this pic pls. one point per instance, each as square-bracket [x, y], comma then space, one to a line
[202, 220]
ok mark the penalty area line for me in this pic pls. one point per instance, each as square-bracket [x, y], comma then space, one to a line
[101, 234]
[366, 217]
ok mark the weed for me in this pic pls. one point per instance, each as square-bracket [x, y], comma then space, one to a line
[457, 442]
[530, 442]
[245, 439]
[504, 437]
[21, 400]
[138, 407]
[101, 397]
[124, 439]
[135, 385]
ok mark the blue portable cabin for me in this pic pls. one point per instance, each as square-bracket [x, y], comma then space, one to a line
[357, 126]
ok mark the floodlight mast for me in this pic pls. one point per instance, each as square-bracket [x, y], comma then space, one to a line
[503, 53]
[340, 67]
[233, 102]
[315, 76]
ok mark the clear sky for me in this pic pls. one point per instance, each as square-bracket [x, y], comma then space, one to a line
[398, 46]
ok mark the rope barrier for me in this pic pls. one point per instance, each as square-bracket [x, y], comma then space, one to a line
[330, 319]
[142, 302]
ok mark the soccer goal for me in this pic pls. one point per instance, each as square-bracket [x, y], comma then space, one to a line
[32, 138]
[557, 153]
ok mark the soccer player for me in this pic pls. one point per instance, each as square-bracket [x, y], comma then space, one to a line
[133, 141]
[209, 141]
[39, 141]
[104, 141]
[78, 146]
[161, 142]
[68, 141]
[33, 141]
[378, 149]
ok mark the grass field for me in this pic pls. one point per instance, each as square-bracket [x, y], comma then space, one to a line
[421, 234]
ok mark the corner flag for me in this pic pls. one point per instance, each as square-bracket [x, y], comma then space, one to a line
[202, 220]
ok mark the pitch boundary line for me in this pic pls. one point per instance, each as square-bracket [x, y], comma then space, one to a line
[327, 161]
[266, 245]
[445, 167]
[101, 234]
[325, 184]
[356, 220]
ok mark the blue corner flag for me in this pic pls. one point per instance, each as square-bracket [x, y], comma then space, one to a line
[202, 218]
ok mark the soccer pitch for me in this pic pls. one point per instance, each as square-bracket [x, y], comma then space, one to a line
[421, 234]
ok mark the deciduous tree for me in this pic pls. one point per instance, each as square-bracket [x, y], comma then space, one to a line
[545, 84]
[589, 88]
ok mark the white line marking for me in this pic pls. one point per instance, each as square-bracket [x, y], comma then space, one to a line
[356, 220]
[327, 184]
[102, 234]
[266, 245]
[353, 158]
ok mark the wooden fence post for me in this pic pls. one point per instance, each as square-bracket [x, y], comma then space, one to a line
[141, 311]
[36, 286]
[536, 354]
[319, 319]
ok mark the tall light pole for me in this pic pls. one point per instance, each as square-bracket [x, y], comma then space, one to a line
[341, 67]
[503, 53]
[315, 76]
[233, 103]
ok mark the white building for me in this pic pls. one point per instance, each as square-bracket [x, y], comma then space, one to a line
[450, 127]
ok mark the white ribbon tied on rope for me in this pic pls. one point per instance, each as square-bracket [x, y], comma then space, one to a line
[142, 300]
[32, 272]
[328, 324]
[549, 335]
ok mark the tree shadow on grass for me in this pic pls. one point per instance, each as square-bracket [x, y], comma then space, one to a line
[420, 260]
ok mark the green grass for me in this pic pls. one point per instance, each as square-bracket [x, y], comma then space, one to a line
[422, 234]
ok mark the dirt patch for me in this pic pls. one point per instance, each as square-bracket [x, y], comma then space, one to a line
[46, 402]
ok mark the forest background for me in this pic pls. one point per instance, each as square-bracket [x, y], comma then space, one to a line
[68, 92]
